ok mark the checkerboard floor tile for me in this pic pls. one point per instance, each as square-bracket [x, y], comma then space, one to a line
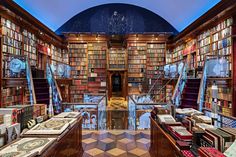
[116, 143]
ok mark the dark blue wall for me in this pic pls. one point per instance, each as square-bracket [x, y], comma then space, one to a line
[117, 19]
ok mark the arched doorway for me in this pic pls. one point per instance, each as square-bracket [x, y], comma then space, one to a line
[116, 84]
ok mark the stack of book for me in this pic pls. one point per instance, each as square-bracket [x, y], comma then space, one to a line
[209, 152]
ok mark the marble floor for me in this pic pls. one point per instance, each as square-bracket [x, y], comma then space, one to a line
[116, 143]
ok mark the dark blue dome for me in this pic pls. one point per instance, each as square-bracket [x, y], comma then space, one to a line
[116, 18]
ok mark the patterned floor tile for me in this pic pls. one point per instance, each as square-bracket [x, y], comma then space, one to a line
[86, 134]
[133, 135]
[94, 153]
[145, 134]
[138, 153]
[116, 152]
[116, 135]
[116, 143]
[106, 144]
[143, 143]
[89, 143]
[126, 144]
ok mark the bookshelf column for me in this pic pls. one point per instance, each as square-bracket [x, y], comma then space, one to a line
[0, 64]
[234, 68]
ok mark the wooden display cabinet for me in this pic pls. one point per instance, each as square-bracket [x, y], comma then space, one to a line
[162, 144]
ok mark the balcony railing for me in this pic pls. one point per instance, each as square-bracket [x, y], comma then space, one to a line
[93, 110]
[139, 112]
[214, 66]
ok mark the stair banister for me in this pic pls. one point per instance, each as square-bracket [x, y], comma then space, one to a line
[30, 81]
[201, 91]
[176, 90]
[54, 80]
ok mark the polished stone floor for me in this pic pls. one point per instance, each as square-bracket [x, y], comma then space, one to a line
[116, 143]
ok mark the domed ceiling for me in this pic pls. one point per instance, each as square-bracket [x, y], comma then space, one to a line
[116, 18]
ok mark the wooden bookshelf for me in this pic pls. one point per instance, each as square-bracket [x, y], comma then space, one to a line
[169, 57]
[136, 67]
[97, 67]
[79, 72]
[155, 67]
[169, 93]
[222, 39]
[12, 96]
[30, 46]
[204, 47]
[56, 54]
[11, 45]
[224, 98]
[178, 53]
[65, 56]
[221, 45]
[12, 37]
[117, 59]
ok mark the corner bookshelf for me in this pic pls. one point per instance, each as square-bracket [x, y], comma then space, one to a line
[136, 67]
[97, 67]
[30, 44]
[78, 61]
[155, 63]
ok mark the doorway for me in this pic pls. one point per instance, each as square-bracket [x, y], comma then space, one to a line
[116, 85]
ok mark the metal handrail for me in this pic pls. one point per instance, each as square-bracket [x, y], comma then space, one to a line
[202, 85]
[178, 82]
[54, 80]
[31, 81]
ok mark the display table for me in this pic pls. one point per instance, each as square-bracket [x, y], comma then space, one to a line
[68, 142]
[162, 144]
[29, 147]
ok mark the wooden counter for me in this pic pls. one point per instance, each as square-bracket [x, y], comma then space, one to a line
[162, 144]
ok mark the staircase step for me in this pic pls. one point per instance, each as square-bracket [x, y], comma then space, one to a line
[38, 83]
[189, 99]
[193, 85]
[189, 106]
[194, 79]
[191, 90]
[43, 94]
[190, 95]
[41, 88]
